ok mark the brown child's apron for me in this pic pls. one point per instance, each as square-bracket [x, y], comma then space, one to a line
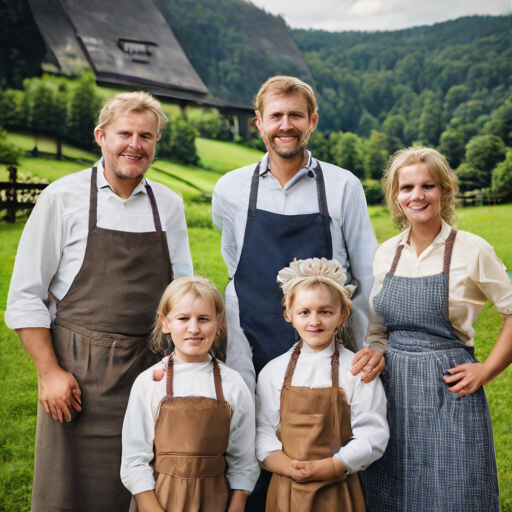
[191, 438]
[315, 424]
[103, 323]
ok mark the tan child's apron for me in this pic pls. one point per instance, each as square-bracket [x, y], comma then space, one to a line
[191, 438]
[315, 424]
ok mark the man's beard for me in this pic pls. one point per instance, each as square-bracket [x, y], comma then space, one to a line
[292, 152]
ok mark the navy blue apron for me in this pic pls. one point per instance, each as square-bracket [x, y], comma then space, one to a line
[440, 455]
[271, 242]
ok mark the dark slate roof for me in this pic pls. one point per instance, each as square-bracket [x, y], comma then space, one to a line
[125, 42]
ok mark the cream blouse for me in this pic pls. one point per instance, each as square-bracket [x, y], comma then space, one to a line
[476, 275]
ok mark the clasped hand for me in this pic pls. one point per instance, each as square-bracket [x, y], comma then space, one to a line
[317, 470]
[465, 379]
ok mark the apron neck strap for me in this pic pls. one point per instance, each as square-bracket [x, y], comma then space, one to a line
[448, 250]
[320, 189]
[93, 203]
[216, 379]
[335, 365]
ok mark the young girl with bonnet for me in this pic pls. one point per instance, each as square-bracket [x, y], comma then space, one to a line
[189, 438]
[317, 424]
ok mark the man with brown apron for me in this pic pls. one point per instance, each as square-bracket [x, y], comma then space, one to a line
[107, 281]
[287, 206]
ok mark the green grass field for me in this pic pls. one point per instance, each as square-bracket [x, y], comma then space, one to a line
[18, 379]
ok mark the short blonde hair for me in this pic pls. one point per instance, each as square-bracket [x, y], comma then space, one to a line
[286, 86]
[126, 102]
[439, 170]
[199, 288]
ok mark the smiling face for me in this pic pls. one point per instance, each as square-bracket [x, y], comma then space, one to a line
[285, 125]
[419, 196]
[128, 145]
[192, 324]
[316, 314]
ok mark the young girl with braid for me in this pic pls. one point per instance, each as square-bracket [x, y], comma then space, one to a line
[317, 424]
[188, 439]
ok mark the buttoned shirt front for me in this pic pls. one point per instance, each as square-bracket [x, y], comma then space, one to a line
[52, 247]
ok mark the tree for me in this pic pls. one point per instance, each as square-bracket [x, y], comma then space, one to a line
[502, 175]
[394, 127]
[319, 146]
[452, 145]
[430, 119]
[375, 155]
[84, 108]
[347, 154]
[178, 141]
[9, 153]
[483, 153]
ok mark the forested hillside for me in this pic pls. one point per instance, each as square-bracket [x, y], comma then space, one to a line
[233, 45]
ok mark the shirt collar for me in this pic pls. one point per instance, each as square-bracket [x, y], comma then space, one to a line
[103, 183]
[440, 238]
[265, 163]
[329, 351]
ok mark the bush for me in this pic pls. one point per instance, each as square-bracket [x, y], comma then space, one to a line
[372, 191]
[209, 123]
[178, 141]
[502, 175]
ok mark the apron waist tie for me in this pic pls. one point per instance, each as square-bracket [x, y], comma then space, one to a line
[190, 466]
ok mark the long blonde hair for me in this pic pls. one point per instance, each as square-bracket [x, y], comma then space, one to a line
[441, 173]
[199, 288]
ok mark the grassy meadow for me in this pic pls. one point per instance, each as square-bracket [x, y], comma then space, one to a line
[18, 379]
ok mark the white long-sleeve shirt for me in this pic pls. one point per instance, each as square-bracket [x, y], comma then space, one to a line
[52, 246]
[368, 404]
[476, 275]
[353, 239]
[190, 379]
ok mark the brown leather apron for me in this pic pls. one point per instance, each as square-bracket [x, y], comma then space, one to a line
[101, 338]
[315, 424]
[191, 438]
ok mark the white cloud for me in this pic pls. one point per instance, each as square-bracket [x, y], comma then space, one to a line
[336, 15]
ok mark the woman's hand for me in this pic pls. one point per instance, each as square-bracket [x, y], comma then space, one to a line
[238, 500]
[368, 362]
[465, 379]
[317, 470]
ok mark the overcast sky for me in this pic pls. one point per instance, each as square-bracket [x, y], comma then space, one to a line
[337, 15]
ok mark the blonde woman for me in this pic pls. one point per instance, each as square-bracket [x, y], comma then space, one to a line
[431, 282]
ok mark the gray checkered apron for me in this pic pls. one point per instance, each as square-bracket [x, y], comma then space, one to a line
[440, 455]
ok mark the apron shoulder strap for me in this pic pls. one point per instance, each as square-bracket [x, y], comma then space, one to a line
[290, 370]
[448, 250]
[217, 379]
[335, 365]
[253, 197]
[93, 202]
[320, 189]
[396, 259]
[170, 378]
[154, 207]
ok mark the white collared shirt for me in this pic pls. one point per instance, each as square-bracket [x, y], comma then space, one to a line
[476, 275]
[190, 379]
[52, 247]
[353, 239]
[368, 404]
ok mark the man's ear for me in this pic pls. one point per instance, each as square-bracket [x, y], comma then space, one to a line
[99, 135]
[313, 122]
[158, 135]
[287, 316]
[258, 120]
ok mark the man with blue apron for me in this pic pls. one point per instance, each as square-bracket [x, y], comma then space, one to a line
[287, 206]
[113, 274]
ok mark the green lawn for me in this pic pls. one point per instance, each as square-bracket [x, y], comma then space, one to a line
[18, 379]
[220, 156]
